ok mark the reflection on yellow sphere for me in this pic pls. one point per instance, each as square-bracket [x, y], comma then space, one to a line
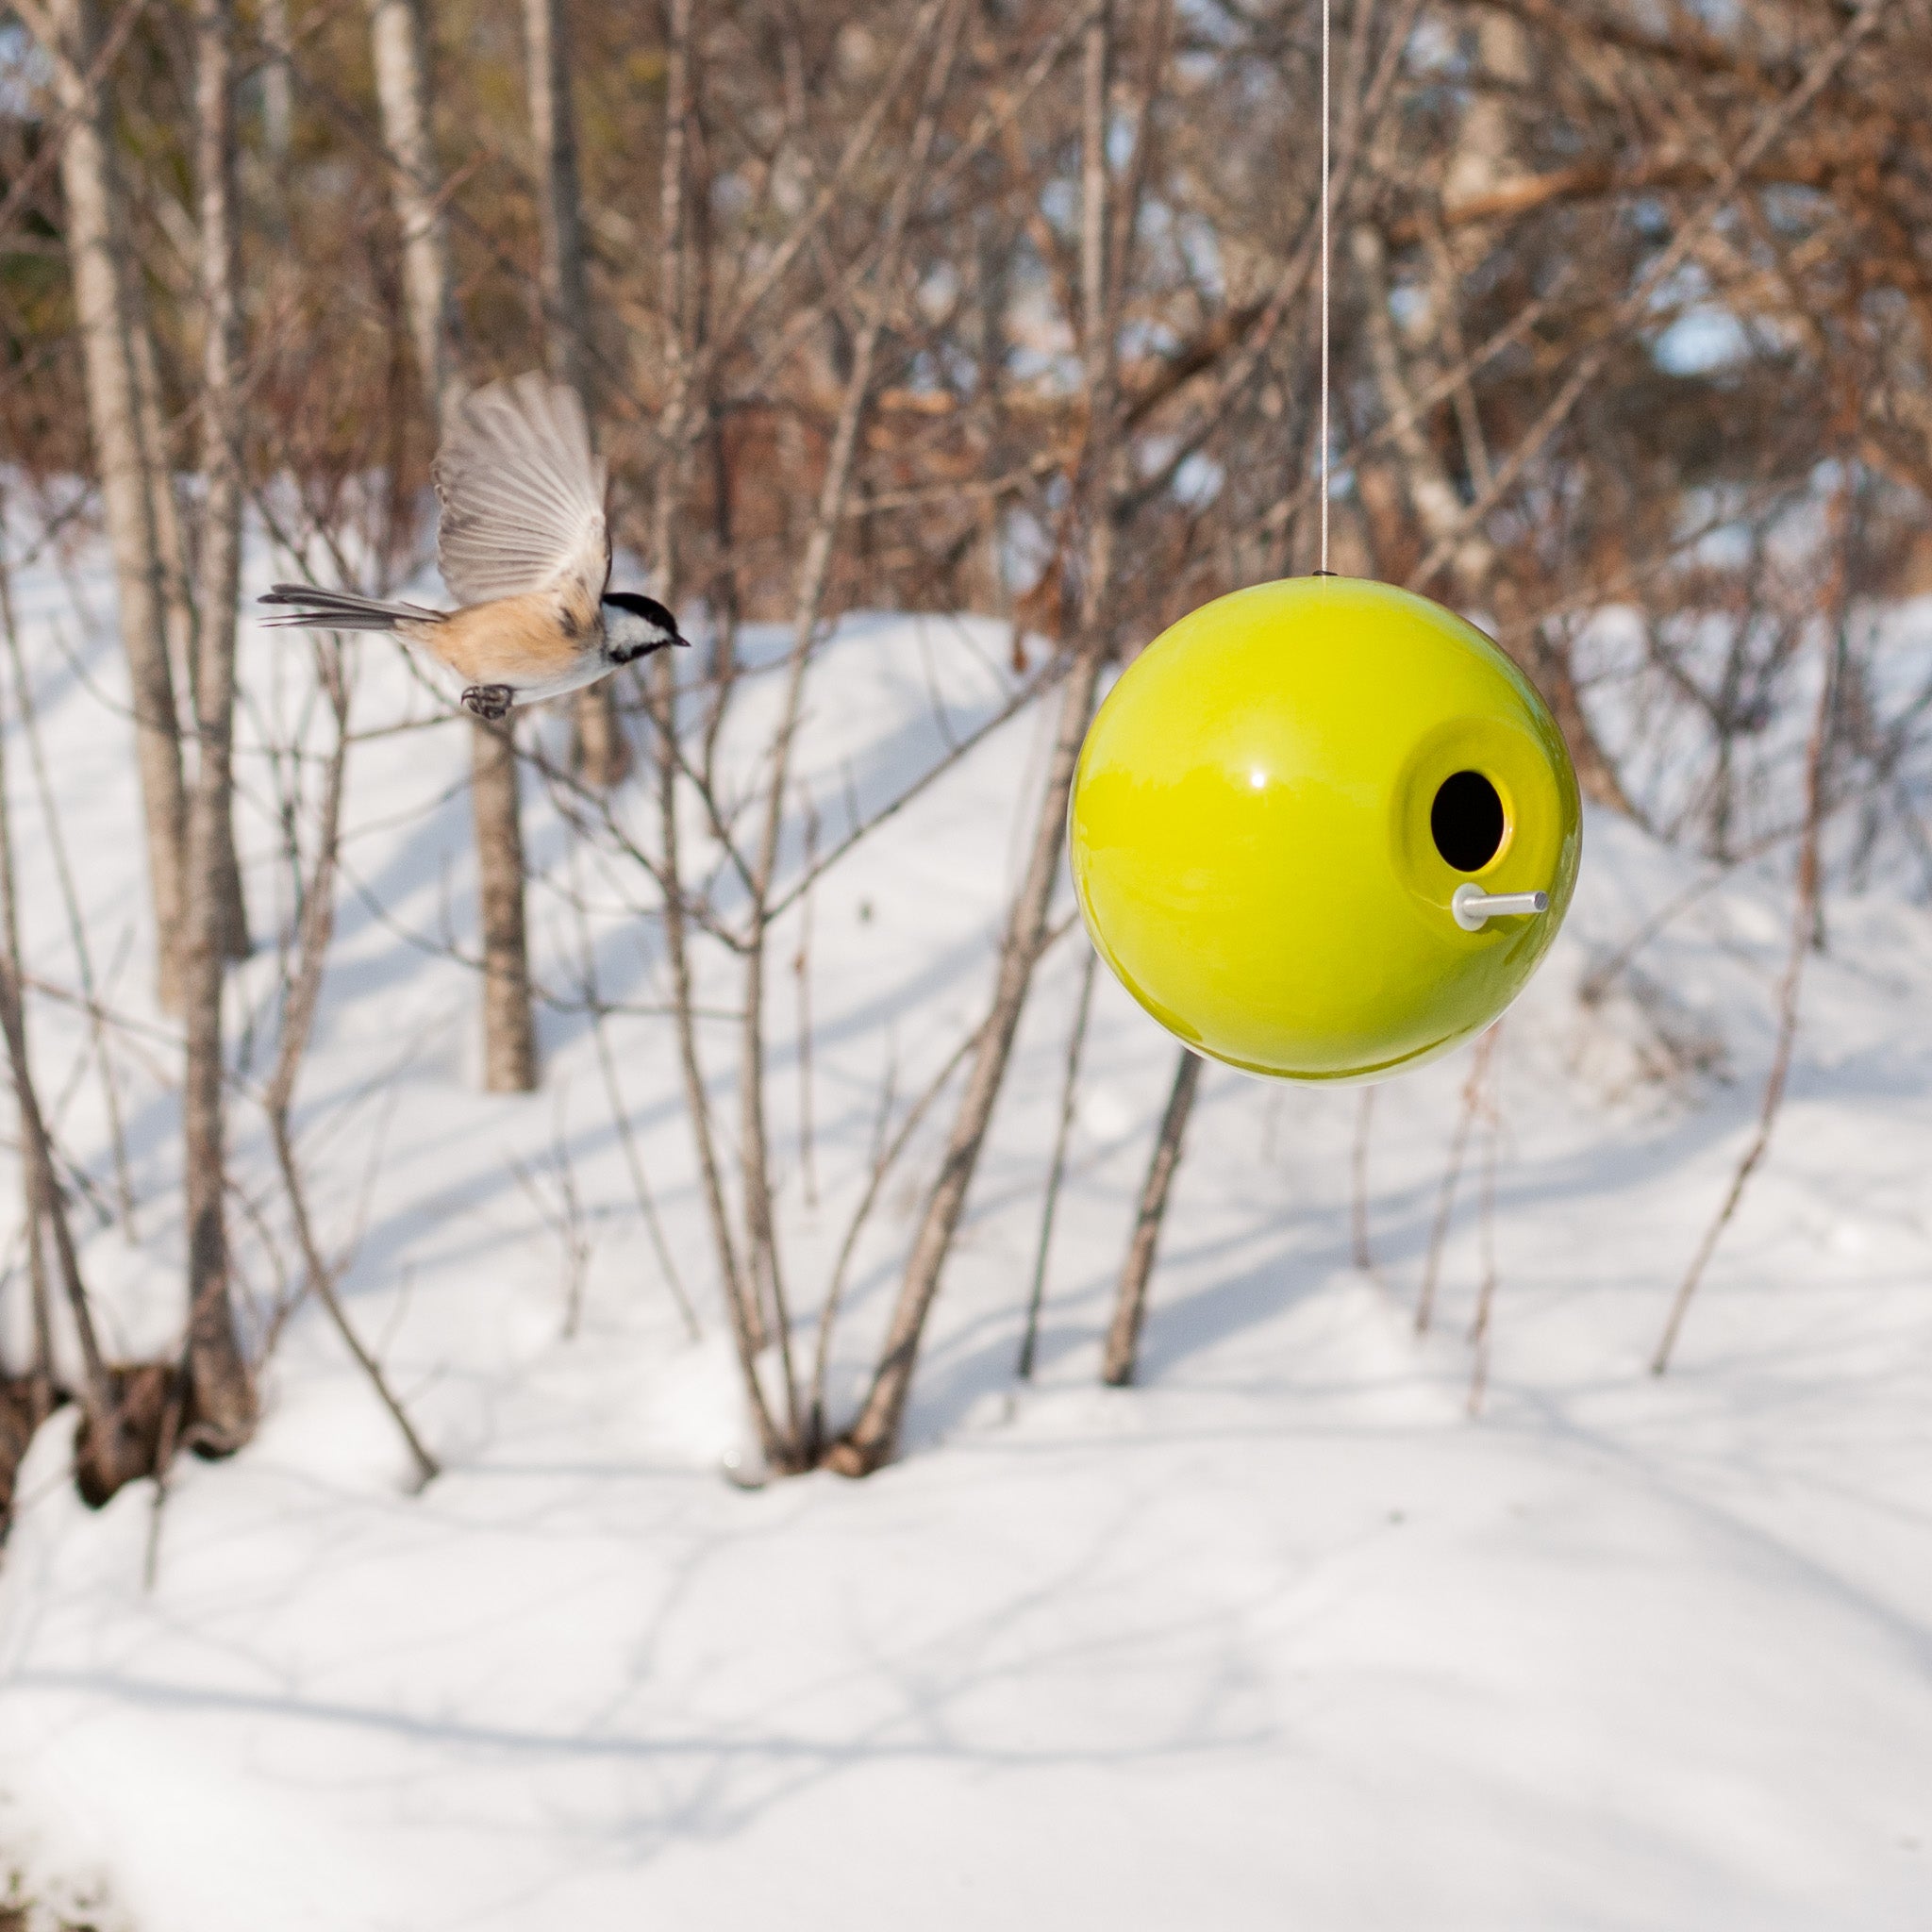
[1277, 804]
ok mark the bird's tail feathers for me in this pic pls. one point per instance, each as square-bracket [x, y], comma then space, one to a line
[320, 609]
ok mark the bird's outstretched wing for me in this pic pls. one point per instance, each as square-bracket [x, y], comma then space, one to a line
[522, 496]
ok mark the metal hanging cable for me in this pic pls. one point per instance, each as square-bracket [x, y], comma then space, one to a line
[1321, 454]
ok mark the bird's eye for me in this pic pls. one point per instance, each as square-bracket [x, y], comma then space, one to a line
[1466, 820]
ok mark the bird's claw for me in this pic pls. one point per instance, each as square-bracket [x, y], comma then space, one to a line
[490, 702]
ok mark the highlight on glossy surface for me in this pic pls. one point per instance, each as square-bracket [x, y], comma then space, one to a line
[1274, 810]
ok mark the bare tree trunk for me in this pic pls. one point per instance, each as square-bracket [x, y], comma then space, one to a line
[1479, 570]
[35, 1181]
[170, 538]
[553, 128]
[220, 1394]
[63, 872]
[179, 596]
[676, 269]
[601, 755]
[509, 1026]
[101, 263]
[399, 35]
[765, 1275]
[277, 85]
[400, 38]
[1478, 164]
[874, 1433]
[510, 1039]
[109, 1450]
[1480, 160]
[1130, 1303]
[1056, 1168]
[98, 1397]
[222, 534]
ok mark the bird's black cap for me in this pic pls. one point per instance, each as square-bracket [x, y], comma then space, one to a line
[649, 609]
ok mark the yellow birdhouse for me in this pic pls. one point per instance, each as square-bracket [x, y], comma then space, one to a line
[1324, 829]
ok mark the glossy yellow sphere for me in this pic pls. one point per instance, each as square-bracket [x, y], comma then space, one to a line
[1276, 807]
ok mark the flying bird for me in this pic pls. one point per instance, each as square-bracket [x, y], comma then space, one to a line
[524, 549]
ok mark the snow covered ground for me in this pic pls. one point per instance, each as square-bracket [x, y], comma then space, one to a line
[1282, 1637]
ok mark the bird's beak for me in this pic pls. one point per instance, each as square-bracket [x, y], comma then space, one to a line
[676, 638]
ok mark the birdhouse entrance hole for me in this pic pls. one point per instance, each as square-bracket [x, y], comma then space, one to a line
[1466, 821]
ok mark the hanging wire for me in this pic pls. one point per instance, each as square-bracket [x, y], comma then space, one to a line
[1322, 457]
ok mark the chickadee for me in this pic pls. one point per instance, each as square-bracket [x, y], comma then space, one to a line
[525, 548]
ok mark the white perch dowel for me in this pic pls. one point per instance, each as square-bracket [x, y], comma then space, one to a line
[1474, 907]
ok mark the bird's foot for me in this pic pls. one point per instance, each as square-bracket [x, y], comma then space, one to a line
[488, 700]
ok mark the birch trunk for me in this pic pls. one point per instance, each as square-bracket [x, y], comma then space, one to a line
[277, 84]
[601, 755]
[400, 40]
[105, 306]
[171, 541]
[179, 596]
[222, 1407]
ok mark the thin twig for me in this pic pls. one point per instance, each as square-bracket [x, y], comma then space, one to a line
[316, 929]
[885, 1157]
[801, 969]
[1803, 924]
[767, 1281]
[76, 925]
[566, 1220]
[620, 1115]
[1358, 1183]
[1771, 126]
[1481, 1328]
[1446, 1200]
